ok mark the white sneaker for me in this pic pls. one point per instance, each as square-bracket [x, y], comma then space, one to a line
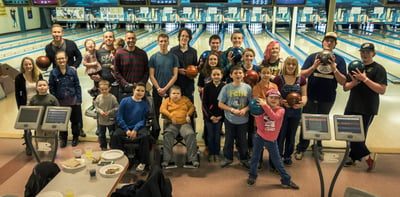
[140, 167]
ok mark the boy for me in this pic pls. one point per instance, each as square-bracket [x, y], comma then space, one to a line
[178, 109]
[106, 107]
[131, 119]
[234, 99]
[268, 127]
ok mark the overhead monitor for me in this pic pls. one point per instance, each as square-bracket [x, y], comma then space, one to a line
[16, 2]
[208, 1]
[45, 3]
[56, 118]
[291, 3]
[349, 128]
[163, 2]
[29, 117]
[132, 2]
[316, 126]
[257, 3]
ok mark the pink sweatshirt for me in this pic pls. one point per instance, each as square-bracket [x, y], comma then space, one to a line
[269, 124]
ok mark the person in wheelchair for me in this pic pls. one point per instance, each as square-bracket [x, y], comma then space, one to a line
[131, 128]
[177, 109]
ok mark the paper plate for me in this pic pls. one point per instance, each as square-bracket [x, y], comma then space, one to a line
[82, 164]
[111, 170]
[112, 154]
[50, 194]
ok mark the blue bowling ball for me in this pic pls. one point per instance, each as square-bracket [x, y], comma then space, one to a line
[237, 55]
[204, 55]
[255, 108]
[355, 64]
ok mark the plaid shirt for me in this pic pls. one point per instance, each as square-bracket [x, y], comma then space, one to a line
[131, 66]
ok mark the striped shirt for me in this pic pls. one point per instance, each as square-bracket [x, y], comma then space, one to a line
[131, 66]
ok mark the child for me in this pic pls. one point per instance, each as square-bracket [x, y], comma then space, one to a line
[43, 98]
[205, 73]
[93, 66]
[119, 43]
[248, 57]
[212, 113]
[178, 109]
[106, 107]
[234, 99]
[261, 88]
[131, 119]
[268, 127]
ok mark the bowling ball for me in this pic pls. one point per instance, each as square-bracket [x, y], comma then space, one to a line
[237, 55]
[255, 108]
[355, 64]
[43, 62]
[293, 98]
[191, 71]
[325, 56]
[251, 77]
[204, 55]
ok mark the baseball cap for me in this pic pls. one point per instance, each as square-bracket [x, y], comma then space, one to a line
[330, 35]
[367, 47]
[273, 93]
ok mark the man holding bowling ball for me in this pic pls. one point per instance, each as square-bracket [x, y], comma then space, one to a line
[365, 87]
[322, 84]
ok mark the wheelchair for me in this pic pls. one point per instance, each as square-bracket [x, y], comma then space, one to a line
[179, 140]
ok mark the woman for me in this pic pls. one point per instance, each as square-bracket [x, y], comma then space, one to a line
[25, 87]
[290, 81]
[64, 85]
[272, 58]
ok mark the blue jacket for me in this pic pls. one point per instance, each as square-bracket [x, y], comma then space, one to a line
[65, 86]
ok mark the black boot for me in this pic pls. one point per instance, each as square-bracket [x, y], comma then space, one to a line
[75, 141]
[63, 139]
[81, 132]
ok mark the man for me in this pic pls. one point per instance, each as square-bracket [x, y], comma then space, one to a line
[214, 42]
[107, 62]
[186, 56]
[71, 50]
[228, 58]
[365, 88]
[131, 65]
[61, 44]
[322, 84]
[163, 70]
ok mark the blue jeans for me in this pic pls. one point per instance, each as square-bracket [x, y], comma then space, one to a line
[288, 132]
[213, 136]
[236, 132]
[272, 147]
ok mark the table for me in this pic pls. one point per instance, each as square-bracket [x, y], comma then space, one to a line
[80, 181]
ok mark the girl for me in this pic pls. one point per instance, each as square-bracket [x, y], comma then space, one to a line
[290, 81]
[272, 58]
[213, 115]
[93, 66]
[205, 73]
[119, 43]
[25, 87]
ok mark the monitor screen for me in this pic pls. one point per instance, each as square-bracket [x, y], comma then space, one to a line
[393, 1]
[349, 127]
[256, 2]
[316, 126]
[56, 118]
[28, 117]
[45, 2]
[163, 2]
[132, 2]
[16, 2]
[290, 2]
[208, 1]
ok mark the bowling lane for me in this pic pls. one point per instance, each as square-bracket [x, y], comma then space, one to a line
[28, 34]
[263, 39]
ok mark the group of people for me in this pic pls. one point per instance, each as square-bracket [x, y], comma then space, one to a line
[120, 75]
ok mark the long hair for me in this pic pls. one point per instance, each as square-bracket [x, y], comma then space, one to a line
[35, 71]
[291, 60]
[268, 50]
[207, 68]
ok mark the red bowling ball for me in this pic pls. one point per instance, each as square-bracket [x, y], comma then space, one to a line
[251, 77]
[192, 71]
[43, 62]
[293, 98]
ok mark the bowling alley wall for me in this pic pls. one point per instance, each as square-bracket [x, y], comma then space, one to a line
[16, 17]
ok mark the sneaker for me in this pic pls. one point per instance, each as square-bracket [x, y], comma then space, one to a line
[104, 149]
[371, 164]
[168, 165]
[299, 155]
[349, 162]
[216, 158]
[63, 143]
[191, 164]
[251, 181]
[290, 185]
[226, 163]
[287, 161]
[140, 167]
[245, 164]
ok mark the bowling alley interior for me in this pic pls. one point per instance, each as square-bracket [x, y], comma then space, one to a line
[300, 27]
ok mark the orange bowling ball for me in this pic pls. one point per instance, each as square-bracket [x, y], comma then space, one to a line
[192, 71]
[43, 62]
[251, 77]
[293, 98]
